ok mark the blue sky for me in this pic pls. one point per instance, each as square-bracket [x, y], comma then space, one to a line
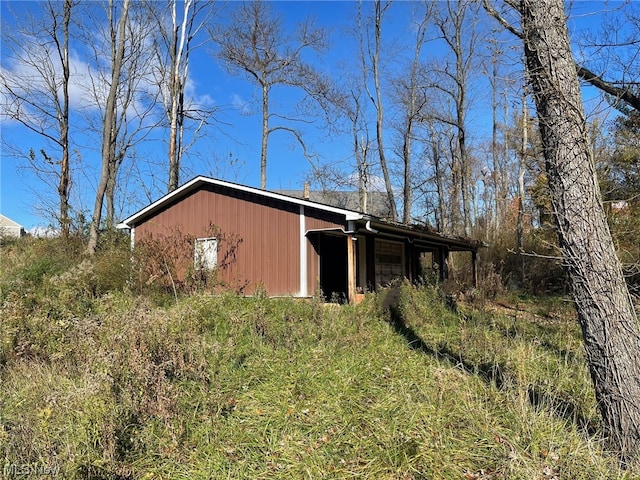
[230, 147]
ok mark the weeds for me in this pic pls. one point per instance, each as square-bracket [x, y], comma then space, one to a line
[230, 387]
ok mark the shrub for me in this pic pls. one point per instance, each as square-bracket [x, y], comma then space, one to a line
[165, 263]
[537, 270]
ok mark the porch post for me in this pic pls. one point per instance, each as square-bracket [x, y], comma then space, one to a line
[474, 267]
[303, 254]
[351, 269]
[444, 263]
[371, 264]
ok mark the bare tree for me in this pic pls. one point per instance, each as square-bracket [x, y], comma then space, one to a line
[361, 148]
[412, 98]
[459, 31]
[349, 100]
[36, 93]
[522, 168]
[442, 217]
[357, 116]
[379, 11]
[604, 306]
[500, 175]
[175, 42]
[458, 26]
[125, 98]
[109, 132]
[254, 42]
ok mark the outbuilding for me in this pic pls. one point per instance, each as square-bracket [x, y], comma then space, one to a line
[293, 246]
[9, 228]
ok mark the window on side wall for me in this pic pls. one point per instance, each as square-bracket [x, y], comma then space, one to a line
[206, 253]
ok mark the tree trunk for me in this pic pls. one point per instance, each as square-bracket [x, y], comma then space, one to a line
[605, 310]
[174, 92]
[109, 129]
[360, 151]
[65, 175]
[461, 41]
[441, 215]
[497, 213]
[413, 107]
[522, 167]
[265, 134]
[109, 195]
[407, 190]
[179, 58]
[380, 115]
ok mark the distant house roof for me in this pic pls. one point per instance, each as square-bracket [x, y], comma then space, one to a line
[9, 228]
[377, 202]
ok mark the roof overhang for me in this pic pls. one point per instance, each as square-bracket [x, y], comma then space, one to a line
[430, 237]
[362, 222]
[200, 181]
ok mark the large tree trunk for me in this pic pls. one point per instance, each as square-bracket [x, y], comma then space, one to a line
[605, 310]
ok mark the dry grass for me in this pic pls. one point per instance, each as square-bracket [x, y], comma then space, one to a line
[231, 387]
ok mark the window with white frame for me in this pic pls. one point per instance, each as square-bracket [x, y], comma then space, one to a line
[206, 253]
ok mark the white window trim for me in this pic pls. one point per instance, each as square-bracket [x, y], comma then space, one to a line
[205, 257]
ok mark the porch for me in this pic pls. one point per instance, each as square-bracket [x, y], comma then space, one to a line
[369, 256]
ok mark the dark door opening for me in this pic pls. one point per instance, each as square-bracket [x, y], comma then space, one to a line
[427, 268]
[333, 267]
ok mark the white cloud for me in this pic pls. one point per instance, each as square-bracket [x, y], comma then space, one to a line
[375, 182]
[240, 104]
[43, 232]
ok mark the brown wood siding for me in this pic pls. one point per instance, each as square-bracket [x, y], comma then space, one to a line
[316, 220]
[266, 231]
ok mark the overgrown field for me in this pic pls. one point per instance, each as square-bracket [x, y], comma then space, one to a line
[104, 382]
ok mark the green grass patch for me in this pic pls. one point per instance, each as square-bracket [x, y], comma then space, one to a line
[231, 387]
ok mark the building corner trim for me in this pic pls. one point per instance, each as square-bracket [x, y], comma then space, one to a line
[303, 254]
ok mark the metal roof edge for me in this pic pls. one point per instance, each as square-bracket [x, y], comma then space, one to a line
[434, 236]
[200, 179]
[126, 223]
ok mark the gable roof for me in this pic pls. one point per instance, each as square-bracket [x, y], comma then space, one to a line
[7, 222]
[9, 228]
[415, 231]
[199, 181]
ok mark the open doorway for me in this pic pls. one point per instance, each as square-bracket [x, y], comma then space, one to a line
[333, 267]
[428, 270]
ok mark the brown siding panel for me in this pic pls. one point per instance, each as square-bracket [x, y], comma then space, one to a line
[268, 254]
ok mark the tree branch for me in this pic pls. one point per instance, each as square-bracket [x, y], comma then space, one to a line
[623, 94]
[585, 74]
[495, 14]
